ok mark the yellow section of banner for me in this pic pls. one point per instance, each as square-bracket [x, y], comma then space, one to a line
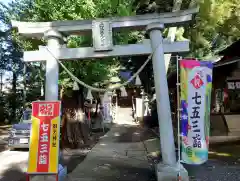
[54, 145]
[33, 146]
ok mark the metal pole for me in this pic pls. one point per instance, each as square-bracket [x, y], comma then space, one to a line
[143, 105]
[162, 95]
[54, 40]
[116, 116]
[1, 81]
[24, 85]
[42, 68]
[178, 116]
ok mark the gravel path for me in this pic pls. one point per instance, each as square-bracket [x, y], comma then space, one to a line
[223, 165]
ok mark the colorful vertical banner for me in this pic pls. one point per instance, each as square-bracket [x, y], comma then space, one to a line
[44, 140]
[196, 85]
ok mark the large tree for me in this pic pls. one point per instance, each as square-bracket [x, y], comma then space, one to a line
[215, 27]
[89, 71]
[11, 55]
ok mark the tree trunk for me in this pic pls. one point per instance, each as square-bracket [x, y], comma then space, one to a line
[97, 105]
[13, 97]
[75, 128]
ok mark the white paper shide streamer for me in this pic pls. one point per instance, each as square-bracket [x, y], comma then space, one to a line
[89, 95]
[138, 81]
[75, 86]
[123, 92]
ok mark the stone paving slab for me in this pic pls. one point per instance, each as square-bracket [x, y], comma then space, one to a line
[123, 154]
[119, 156]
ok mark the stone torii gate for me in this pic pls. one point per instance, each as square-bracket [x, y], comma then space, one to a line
[103, 47]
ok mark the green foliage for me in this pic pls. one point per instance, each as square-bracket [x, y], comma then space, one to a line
[10, 56]
[217, 26]
[49, 10]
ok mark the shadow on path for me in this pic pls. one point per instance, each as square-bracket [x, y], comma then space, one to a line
[3, 147]
[13, 174]
[223, 164]
[110, 170]
[135, 134]
[73, 161]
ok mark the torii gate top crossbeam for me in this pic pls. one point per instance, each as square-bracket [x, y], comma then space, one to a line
[139, 22]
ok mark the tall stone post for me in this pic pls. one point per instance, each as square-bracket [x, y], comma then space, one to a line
[169, 169]
[54, 42]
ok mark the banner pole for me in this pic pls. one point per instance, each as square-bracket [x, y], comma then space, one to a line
[178, 117]
[27, 177]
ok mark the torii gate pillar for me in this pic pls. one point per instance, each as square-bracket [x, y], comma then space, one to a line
[162, 98]
[54, 42]
[169, 168]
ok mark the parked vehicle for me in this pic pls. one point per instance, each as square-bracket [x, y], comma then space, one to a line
[19, 134]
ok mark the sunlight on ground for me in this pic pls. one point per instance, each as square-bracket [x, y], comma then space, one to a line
[136, 133]
[104, 136]
[116, 134]
[122, 122]
[152, 139]
[219, 154]
[16, 158]
[5, 126]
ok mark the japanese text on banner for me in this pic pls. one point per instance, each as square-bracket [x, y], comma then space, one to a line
[43, 149]
[54, 135]
[45, 110]
[195, 120]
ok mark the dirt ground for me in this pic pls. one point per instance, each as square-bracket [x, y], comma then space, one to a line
[3, 134]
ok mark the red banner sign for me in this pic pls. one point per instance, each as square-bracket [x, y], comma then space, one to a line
[44, 142]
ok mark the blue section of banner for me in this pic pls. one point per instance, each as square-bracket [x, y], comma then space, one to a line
[184, 118]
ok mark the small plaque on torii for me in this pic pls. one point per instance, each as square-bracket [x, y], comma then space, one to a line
[102, 35]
